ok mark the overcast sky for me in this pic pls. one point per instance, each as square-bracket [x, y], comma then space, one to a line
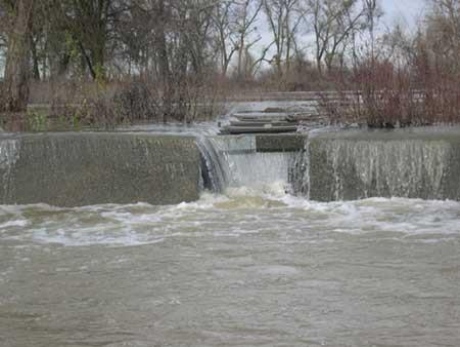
[403, 11]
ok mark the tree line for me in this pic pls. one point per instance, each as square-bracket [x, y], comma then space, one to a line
[180, 45]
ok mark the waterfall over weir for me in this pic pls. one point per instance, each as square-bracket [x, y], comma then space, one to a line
[9, 154]
[422, 163]
[235, 161]
[361, 169]
[74, 169]
[346, 165]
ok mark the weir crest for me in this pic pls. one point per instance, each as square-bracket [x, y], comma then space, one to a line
[348, 165]
[72, 169]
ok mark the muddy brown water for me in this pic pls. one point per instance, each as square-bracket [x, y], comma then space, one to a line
[243, 268]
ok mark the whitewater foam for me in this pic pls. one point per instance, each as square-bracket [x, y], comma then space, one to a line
[241, 211]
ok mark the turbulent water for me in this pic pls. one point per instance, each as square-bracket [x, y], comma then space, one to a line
[249, 265]
[243, 268]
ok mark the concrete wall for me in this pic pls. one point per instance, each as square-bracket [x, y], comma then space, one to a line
[412, 163]
[73, 169]
[280, 142]
[291, 142]
[354, 164]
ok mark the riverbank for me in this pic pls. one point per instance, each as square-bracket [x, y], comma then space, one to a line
[134, 104]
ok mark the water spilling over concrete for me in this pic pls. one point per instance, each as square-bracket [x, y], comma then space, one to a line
[214, 176]
[255, 160]
[356, 165]
[75, 169]
[9, 154]
[347, 165]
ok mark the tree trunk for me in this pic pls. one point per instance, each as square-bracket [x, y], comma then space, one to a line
[163, 58]
[17, 61]
[35, 59]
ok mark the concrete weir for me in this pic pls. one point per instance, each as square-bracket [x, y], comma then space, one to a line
[411, 163]
[350, 164]
[256, 160]
[75, 169]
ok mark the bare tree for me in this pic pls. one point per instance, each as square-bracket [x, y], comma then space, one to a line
[16, 87]
[283, 18]
[443, 32]
[247, 12]
[172, 41]
[334, 24]
[226, 36]
[5, 8]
